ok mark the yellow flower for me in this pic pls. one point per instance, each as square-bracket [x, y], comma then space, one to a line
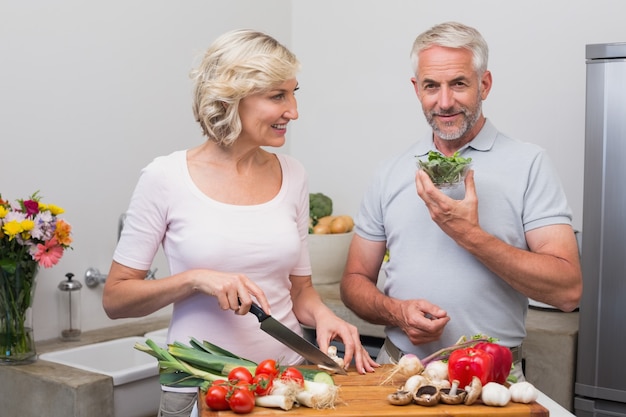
[55, 210]
[12, 228]
[3, 212]
[28, 225]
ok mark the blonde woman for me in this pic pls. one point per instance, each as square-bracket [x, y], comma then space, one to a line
[232, 219]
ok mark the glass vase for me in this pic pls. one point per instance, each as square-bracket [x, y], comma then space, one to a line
[17, 290]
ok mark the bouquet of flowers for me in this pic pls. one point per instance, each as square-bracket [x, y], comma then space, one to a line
[31, 235]
[32, 230]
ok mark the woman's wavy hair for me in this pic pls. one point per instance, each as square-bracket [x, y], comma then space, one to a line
[239, 63]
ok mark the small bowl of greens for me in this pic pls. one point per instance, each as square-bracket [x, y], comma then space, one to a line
[445, 171]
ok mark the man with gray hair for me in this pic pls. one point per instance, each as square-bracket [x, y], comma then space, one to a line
[460, 267]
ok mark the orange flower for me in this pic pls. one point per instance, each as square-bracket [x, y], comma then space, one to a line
[62, 233]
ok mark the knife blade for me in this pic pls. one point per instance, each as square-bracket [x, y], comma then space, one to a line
[294, 341]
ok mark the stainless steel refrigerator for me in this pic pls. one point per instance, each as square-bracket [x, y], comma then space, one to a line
[601, 364]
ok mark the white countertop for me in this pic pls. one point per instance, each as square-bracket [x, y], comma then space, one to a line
[555, 409]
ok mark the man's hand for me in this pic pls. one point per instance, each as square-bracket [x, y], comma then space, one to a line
[422, 321]
[457, 218]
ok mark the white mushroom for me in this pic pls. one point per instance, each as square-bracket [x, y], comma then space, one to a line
[400, 397]
[414, 383]
[428, 395]
[473, 390]
[453, 395]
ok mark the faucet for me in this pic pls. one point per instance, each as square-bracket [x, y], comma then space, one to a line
[93, 277]
[120, 225]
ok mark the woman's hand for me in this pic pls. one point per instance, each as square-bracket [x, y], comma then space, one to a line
[233, 291]
[330, 327]
[128, 294]
[311, 310]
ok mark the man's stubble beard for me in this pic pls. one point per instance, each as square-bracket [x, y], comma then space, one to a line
[469, 120]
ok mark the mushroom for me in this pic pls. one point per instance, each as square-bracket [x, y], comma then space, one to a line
[332, 353]
[427, 395]
[441, 384]
[453, 395]
[473, 391]
[400, 397]
[414, 383]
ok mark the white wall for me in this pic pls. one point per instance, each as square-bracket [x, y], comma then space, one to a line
[91, 92]
[358, 106]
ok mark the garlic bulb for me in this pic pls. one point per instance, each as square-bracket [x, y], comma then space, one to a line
[495, 395]
[523, 392]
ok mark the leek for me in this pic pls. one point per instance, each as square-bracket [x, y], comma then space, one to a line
[187, 367]
[200, 363]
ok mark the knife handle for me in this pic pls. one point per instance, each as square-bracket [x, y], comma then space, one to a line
[258, 312]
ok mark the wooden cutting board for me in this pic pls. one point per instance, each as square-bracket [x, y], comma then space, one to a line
[362, 395]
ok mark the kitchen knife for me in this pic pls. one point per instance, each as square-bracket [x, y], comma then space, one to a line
[294, 341]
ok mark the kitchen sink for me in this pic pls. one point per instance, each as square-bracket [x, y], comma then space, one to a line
[158, 336]
[135, 374]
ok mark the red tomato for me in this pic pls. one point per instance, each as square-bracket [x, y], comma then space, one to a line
[240, 373]
[269, 367]
[241, 401]
[292, 374]
[220, 382]
[243, 385]
[262, 384]
[216, 398]
[463, 364]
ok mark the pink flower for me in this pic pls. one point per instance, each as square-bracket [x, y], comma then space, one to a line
[48, 253]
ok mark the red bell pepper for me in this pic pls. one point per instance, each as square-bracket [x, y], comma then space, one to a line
[464, 364]
[502, 360]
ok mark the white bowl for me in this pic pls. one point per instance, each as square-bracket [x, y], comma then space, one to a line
[328, 256]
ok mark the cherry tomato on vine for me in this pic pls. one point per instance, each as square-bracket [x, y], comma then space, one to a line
[269, 367]
[242, 385]
[215, 398]
[292, 374]
[240, 373]
[262, 384]
[241, 401]
[220, 382]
